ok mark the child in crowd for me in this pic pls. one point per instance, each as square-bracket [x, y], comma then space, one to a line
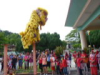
[40, 63]
[64, 64]
[31, 61]
[44, 64]
[57, 66]
[52, 59]
[61, 68]
[79, 63]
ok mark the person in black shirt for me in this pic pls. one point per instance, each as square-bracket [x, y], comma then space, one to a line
[14, 61]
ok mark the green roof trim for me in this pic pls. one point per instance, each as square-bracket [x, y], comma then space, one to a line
[75, 9]
[91, 18]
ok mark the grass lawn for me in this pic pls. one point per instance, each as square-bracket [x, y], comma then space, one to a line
[23, 71]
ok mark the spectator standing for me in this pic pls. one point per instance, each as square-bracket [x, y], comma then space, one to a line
[9, 63]
[26, 60]
[48, 60]
[52, 59]
[14, 61]
[57, 66]
[79, 63]
[40, 63]
[75, 56]
[17, 63]
[44, 64]
[64, 64]
[20, 60]
[61, 68]
[85, 61]
[70, 58]
[31, 61]
[11, 56]
[93, 64]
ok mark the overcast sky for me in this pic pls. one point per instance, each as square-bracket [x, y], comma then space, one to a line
[15, 14]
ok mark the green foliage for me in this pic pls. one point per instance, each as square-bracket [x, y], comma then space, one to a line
[59, 51]
[87, 50]
[94, 38]
[77, 45]
[73, 36]
[50, 41]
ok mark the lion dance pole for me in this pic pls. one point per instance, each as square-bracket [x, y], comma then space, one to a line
[31, 34]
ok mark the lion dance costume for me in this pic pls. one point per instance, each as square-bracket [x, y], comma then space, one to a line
[31, 34]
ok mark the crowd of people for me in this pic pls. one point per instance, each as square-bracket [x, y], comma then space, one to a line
[19, 61]
[87, 62]
[59, 65]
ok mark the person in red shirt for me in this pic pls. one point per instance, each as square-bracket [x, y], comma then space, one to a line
[40, 63]
[85, 61]
[93, 64]
[57, 66]
[74, 54]
[61, 68]
[64, 64]
[79, 62]
[52, 60]
[66, 55]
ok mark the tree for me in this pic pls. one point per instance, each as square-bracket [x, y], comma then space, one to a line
[73, 36]
[3, 40]
[94, 38]
[50, 41]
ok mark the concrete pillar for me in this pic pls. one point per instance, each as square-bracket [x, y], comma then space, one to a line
[83, 39]
[5, 58]
[34, 59]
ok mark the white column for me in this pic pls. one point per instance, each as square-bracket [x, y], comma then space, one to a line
[83, 39]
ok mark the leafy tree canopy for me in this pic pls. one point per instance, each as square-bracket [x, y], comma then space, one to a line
[48, 41]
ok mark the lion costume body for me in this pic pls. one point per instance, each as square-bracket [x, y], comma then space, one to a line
[31, 33]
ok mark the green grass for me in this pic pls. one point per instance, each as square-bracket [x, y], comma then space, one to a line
[21, 71]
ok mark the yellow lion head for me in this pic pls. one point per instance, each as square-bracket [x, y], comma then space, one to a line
[43, 15]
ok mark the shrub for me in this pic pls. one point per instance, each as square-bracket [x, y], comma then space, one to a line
[59, 51]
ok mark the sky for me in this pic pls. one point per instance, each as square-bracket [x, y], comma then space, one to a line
[15, 14]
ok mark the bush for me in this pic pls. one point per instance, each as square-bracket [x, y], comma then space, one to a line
[86, 50]
[77, 45]
[59, 51]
